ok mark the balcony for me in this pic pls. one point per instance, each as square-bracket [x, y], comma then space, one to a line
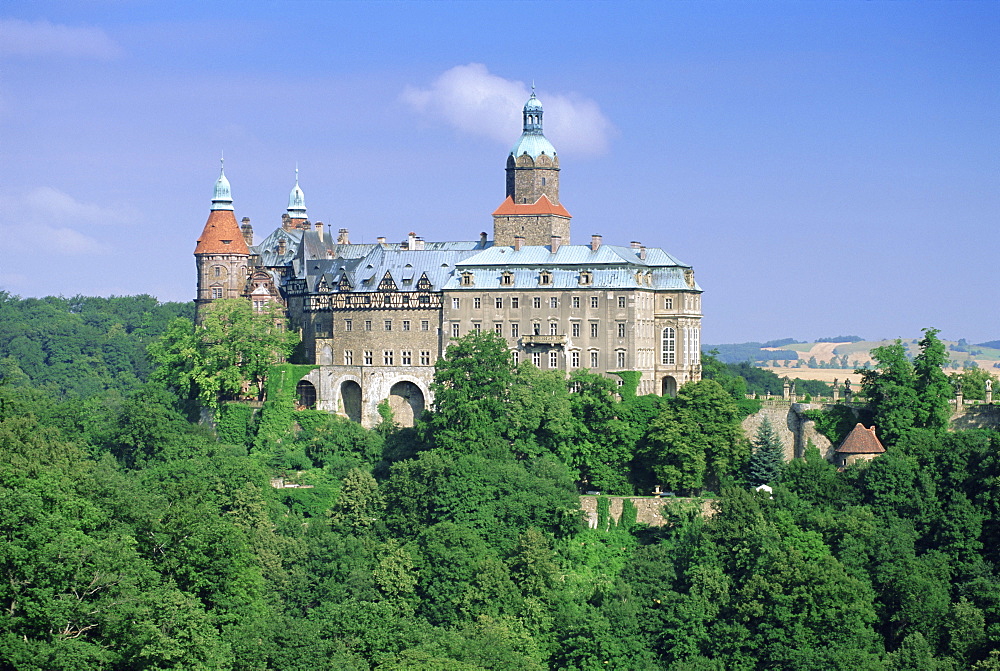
[543, 339]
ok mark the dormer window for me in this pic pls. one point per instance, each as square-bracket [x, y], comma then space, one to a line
[226, 242]
[545, 277]
[586, 278]
[467, 279]
[507, 279]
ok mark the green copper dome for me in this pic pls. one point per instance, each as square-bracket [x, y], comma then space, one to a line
[222, 197]
[297, 200]
[532, 141]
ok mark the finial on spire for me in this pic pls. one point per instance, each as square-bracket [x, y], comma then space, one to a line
[222, 161]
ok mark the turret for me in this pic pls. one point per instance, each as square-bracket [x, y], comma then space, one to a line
[532, 207]
[221, 255]
[297, 217]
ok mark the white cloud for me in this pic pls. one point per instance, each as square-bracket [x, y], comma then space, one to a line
[47, 221]
[477, 102]
[42, 38]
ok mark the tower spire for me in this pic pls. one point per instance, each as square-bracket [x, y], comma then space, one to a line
[222, 196]
[297, 200]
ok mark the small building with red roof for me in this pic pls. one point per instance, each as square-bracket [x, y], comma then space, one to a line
[861, 444]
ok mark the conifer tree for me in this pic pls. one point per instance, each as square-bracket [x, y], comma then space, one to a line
[768, 458]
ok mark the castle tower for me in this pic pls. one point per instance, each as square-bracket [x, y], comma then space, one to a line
[296, 214]
[532, 209]
[221, 255]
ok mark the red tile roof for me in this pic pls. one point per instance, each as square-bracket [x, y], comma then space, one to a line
[541, 206]
[861, 441]
[221, 227]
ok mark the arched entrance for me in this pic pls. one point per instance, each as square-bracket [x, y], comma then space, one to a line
[306, 394]
[407, 402]
[669, 387]
[350, 398]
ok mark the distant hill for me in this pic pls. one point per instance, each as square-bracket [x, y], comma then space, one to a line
[845, 353]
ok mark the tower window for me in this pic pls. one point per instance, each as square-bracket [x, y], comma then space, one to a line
[543, 181]
[669, 346]
[668, 303]
[621, 302]
[216, 292]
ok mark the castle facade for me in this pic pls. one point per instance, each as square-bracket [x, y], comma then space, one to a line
[376, 317]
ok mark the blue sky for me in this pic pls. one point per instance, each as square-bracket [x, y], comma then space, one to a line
[827, 168]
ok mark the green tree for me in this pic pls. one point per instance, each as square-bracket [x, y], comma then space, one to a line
[471, 390]
[232, 349]
[931, 383]
[768, 458]
[891, 390]
[697, 439]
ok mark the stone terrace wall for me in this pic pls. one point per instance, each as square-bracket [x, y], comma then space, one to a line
[793, 427]
[649, 509]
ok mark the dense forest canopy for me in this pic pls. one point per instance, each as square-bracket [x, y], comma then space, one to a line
[135, 539]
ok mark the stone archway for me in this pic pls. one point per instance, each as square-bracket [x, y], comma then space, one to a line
[669, 387]
[406, 402]
[350, 399]
[305, 393]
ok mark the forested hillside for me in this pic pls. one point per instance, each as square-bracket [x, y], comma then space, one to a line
[134, 539]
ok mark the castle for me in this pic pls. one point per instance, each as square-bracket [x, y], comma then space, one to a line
[376, 317]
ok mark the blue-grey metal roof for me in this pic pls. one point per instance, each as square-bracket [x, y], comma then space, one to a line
[577, 255]
[534, 144]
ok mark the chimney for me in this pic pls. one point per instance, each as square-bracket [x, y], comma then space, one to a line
[247, 231]
[380, 239]
[518, 242]
[411, 241]
[419, 242]
[642, 253]
[281, 247]
[319, 229]
[556, 241]
[342, 238]
[595, 243]
[482, 239]
[636, 244]
[286, 222]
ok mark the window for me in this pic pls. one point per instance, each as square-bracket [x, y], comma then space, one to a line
[553, 302]
[216, 292]
[388, 325]
[536, 358]
[593, 329]
[218, 271]
[406, 357]
[368, 357]
[425, 325]
[586, 278]
[454, 330]
[466, 279]
[621, 359]
[576, 301]
[498, 328]
[536, 302]
[406, 298]
[477, 303]
[669, 346]
[553, 328]
[348, 325]
[425, 357]
[553, 359]
[455, 303]
[621, 330]
[593, 359]
[621, 301]
[424, 300]
[514, 357]
[576, 329]
[368, 324]
[545, 278]
[575, 359]
[515, 302]
[406, 324]
[536, 329]
[477, 326]
[348, 357]
[387, 357]
[513, 330]
[593, 301]
[507, 279]
[499, 303]
[668, 303]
